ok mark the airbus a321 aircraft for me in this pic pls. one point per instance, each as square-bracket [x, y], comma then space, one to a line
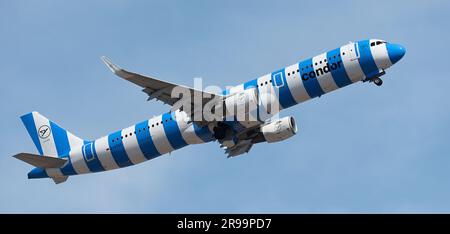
[62, 154]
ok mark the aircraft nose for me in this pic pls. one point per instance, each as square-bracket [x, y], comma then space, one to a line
[396, 52]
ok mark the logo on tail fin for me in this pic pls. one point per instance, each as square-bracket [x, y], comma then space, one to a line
[44, 131]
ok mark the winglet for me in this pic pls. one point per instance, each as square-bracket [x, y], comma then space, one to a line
[113, 67]
[116, 69]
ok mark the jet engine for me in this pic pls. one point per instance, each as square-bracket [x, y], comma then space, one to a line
[280, 129]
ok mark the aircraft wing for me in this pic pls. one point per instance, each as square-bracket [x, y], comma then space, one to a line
[160, 90]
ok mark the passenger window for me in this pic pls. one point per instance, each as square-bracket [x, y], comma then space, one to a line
[372, 44]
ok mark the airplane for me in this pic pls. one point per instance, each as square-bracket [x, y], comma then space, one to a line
[62, 154]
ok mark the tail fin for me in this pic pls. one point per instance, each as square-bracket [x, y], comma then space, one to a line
[50, 139]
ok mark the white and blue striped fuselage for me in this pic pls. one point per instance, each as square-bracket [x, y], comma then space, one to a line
[310, 78]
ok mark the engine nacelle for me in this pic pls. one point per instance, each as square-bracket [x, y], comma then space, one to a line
[241, 103]
[280, 129]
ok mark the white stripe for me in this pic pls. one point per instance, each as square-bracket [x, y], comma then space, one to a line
[380, 55]
[253, 114]
[385, 54]
[47, 143]
[352, 67]
[105, 156]
[132, 146]
[267, 96]
[190, 137]
[78, 163]
[159, 136]
[237, 89]
[74, 141]
[295, 84]
[54, 172]
[187, 130]
[326, 80]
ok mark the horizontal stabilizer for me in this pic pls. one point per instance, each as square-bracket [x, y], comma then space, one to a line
[41, 161]
[59, 180]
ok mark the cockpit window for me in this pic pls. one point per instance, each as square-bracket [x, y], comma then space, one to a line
[377, 43]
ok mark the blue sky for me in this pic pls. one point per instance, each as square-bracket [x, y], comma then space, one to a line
[361, 149]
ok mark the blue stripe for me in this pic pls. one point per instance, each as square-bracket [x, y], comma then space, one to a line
[311, 85]
[98, 164]
[145, 140]
[68, 168]
[28, 121]
[61, 140]
[86, 154]
[203, 133]
[251, 84]
[90, 153]
[366, 59]
[37, 173]
[63, 148]
[172, 130]
[284, 94]
[225, 92]
[118, 149]
[339, 75]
